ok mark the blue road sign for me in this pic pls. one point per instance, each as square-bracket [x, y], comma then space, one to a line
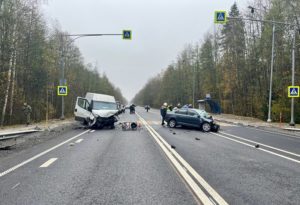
[127, 34]
[220, 17]
[62, 90]
[293, 91]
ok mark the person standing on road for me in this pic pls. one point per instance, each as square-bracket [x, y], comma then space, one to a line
[147, 107]
[163, 113]
[27, 112]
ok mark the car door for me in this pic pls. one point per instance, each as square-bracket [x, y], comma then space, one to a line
[193, 118]
[181, 116]
[81, 109]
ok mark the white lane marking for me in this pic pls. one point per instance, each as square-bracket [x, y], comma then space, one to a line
[264, 150]
[48, 163]
[277, 133]
[92, 131]
[173, 157]
[16, 185]
[78, 141]
[196, 189]
[39, 155]
[195, 174]
[274, 148]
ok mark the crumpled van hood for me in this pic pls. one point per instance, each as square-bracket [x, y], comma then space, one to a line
[104, 113]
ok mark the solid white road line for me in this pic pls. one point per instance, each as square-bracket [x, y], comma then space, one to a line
[40, 154]
[264, 150]
[47, 164]
[277, 133]
[78, 141]
[176, 159]
[274, 148]
[92, 131]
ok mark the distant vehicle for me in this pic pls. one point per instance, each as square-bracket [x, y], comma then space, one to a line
[132, 109]
[97, 110]
[192, 118]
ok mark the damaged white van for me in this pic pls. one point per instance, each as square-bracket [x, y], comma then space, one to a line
[97, 110]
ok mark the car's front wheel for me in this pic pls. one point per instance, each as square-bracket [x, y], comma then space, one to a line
[172, 123]
[206, 127]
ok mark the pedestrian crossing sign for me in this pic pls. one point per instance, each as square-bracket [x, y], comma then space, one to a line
[220, 17]
[293, 91]
[127, 34]
[62, 90]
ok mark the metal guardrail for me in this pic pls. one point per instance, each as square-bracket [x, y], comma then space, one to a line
[8, 139]
[8, 135]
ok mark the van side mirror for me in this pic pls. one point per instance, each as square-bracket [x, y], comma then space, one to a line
[89, 108]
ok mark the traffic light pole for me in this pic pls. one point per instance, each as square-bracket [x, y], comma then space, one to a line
[126, 35]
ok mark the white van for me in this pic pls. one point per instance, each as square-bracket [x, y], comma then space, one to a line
[96, 110]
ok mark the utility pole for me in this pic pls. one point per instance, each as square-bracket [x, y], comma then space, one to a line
[271, 74]
[292, 122]
[195, 72]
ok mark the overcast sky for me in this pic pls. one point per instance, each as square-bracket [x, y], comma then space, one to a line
[160, 28]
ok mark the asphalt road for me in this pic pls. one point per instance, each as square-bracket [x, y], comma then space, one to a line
[97, 167]
[140, 167]
[239, 172]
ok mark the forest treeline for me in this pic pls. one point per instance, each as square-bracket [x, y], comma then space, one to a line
[30, 60]
[233, 62]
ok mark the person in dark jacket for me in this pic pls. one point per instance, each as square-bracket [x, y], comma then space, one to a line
[163, 113]
[147, 107]
[27, 112]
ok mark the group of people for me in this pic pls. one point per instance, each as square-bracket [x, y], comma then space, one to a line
[165, 107]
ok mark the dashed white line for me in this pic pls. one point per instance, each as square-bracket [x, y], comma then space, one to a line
[92, 131]
[39, 155]
[48, 163]
[78, 141]
[16, 185]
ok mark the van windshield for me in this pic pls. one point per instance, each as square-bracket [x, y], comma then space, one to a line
[97, 105]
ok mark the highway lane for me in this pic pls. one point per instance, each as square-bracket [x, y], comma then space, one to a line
[241, 174]
[97, 167]
[281, 141]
